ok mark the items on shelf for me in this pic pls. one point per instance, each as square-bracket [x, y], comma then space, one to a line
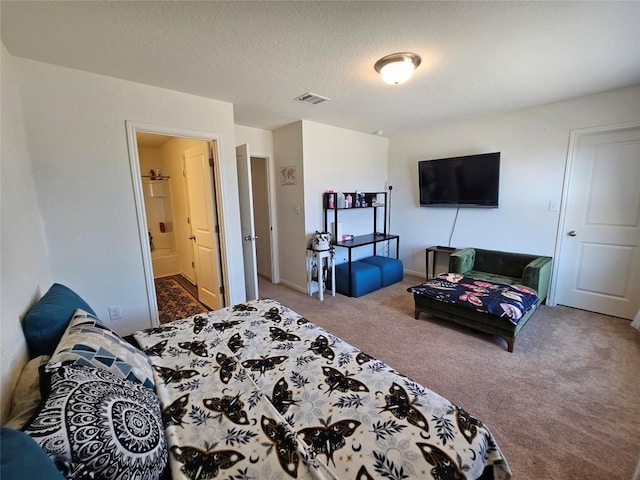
[340, 200]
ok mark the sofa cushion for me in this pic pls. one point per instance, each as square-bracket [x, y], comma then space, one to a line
[500, 263]
[493, 277]
[47, 320]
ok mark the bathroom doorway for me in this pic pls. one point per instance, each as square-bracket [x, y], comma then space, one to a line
[182, 222]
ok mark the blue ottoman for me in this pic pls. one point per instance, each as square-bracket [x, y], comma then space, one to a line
[365, 278]
[390, 268]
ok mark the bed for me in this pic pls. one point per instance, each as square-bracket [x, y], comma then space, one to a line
[250, 391]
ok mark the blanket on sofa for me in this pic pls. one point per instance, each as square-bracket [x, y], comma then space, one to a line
[257, 391]
[508, 301]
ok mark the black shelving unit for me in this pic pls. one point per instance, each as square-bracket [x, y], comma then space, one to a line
[370, 200]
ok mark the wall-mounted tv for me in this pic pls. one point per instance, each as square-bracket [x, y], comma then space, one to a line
[469, 181]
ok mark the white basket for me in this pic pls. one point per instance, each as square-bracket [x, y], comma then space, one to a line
[321, 241]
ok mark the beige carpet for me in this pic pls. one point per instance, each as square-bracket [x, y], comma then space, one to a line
[564, 405]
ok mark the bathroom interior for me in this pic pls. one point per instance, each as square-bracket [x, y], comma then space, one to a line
[166, 201]
[166, 205]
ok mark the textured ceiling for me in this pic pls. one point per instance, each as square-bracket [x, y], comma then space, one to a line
[479, 58]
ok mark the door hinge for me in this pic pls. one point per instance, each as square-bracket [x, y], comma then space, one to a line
[211, 161]
[222, 290]
[189, 220]
[217, 229]
[193, 264]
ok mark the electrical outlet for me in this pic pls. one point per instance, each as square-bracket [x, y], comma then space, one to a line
[115, 312]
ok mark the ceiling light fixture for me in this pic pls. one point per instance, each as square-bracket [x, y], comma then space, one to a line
[397, 68]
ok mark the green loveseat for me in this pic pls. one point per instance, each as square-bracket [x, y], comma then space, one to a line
[533, 271]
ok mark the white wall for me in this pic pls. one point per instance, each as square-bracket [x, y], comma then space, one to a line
[23, 255]
[326, 158]
[260, 141]
[75, 125]
[343, 161]
[287, 146]
[534, 146]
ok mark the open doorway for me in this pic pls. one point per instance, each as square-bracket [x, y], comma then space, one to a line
[179, 203]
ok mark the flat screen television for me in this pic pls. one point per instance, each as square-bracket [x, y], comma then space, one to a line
[468, 181]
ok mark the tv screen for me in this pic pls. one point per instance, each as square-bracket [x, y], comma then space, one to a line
[469, 181]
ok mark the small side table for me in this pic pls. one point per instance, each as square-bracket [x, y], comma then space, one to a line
[320, 255]
[431, 260]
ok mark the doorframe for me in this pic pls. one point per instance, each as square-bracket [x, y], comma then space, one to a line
[133, 127]
[574, 136]
[275, 272]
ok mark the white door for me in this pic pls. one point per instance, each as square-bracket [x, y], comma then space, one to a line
[199, 173]
[186, 247]
[246, 222]
[599, 262]
[262, 214]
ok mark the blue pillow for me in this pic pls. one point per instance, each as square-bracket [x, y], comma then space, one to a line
[22, 458]
[47, 320]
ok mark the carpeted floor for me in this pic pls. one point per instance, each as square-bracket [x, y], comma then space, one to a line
[564, 405]
[174, 301]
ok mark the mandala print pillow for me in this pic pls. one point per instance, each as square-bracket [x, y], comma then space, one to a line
[96, 425]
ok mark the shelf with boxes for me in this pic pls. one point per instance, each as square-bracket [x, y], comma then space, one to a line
[356, 278]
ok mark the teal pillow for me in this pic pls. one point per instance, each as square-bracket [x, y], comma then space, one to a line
[22, 458]
[47, 320]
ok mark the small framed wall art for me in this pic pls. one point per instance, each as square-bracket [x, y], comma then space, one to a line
[288, 175]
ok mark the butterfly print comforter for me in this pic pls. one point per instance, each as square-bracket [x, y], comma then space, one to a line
[256, 391]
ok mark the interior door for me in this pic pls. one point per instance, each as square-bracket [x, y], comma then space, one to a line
[599, 262]
[199, 174]
[246, 221]
[262, 214]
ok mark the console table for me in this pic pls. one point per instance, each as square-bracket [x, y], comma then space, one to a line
[431, 253]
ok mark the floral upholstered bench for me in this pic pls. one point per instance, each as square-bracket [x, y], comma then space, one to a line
[490, 291]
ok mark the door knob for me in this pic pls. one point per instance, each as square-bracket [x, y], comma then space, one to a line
[248, 238]
[192, 237]
[572, 233]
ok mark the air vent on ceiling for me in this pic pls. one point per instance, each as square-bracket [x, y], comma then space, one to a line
[312, 98]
